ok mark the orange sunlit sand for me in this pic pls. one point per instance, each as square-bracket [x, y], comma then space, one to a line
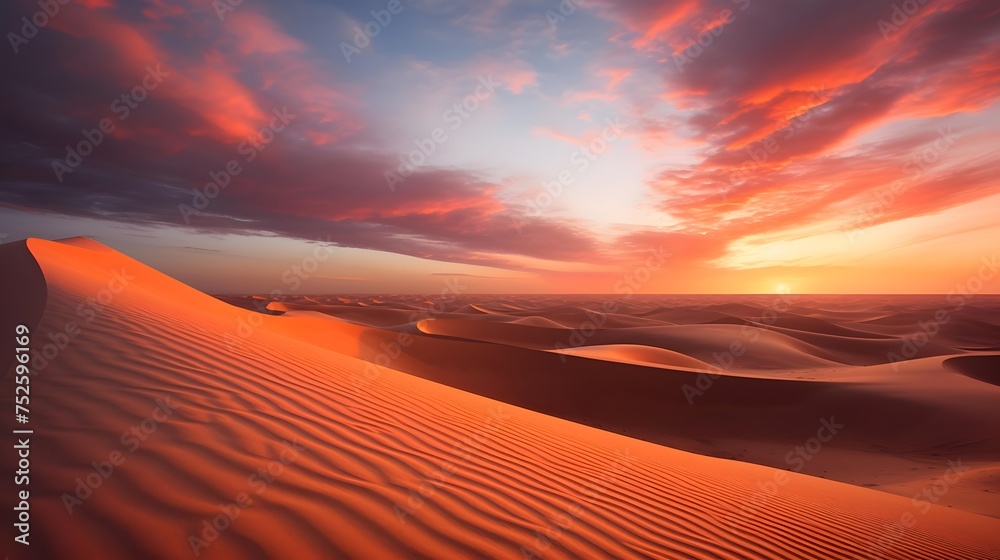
[499, 426]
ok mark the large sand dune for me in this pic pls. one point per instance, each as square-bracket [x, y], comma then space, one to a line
[471, 442]
[682, 384]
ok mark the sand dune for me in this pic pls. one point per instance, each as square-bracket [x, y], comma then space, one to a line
[984, 368]
[378, 462]
[908, 419]
[25, 292]
[636, 354]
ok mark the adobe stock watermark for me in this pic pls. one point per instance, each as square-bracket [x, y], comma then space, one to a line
[291, 280]
[761, 151]
[131, 440]
[921, 503]
[122, 107]
[455, 116]
[580, 161]
[258, 481]
[725, 360]
[364, 34]
[796, 460]
[88, 310]
[389, 351]
[224, 7]
[249, 149]
[30, 25]
[562, 12]
[462, 452]
[592, 489]
[916, 166]
[710, 31]
[626, 287]
[958, 298]
[899, 16]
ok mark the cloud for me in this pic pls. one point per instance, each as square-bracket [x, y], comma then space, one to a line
[791, 104]
[225, 80]
[475, 275]
[559, 136]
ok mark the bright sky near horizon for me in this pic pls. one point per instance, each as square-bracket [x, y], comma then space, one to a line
[750, 146]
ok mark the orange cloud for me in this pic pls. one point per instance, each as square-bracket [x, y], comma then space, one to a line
[247, 67]
[783, 116]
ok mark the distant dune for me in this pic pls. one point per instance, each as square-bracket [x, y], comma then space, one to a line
[494, 426]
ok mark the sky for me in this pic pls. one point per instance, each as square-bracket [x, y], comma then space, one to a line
[404, 146]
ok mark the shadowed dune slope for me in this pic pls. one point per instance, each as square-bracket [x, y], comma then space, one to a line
[983, 368]
[23, 290]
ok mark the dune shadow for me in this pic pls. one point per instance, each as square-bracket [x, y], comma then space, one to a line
[982, 368]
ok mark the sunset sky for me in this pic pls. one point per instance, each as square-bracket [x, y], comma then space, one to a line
[517, 146]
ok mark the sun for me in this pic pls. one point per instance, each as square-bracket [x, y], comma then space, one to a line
[782, 289]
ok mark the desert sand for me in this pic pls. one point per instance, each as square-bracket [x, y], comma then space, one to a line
[497, 426]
